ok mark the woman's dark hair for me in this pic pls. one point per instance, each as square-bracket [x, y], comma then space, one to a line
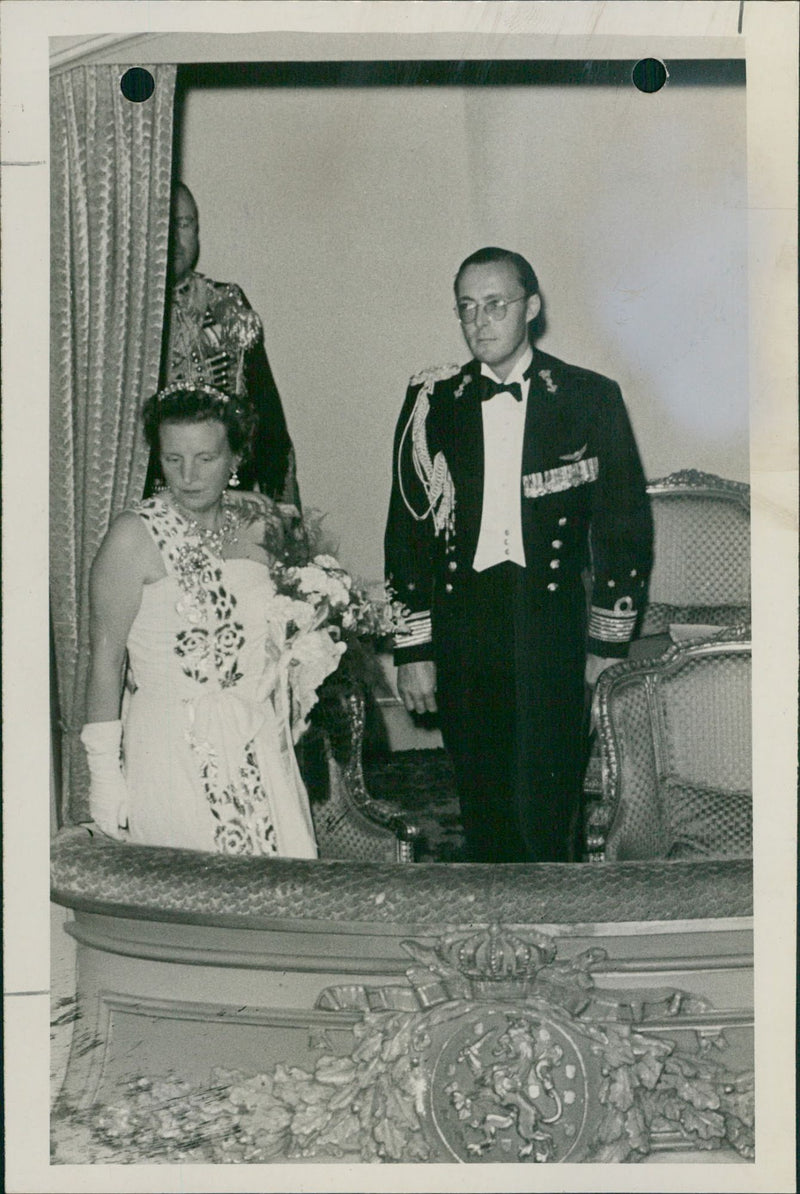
[188, 403]
[491, 254]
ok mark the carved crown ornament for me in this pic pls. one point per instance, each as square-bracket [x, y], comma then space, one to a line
[494, 1051]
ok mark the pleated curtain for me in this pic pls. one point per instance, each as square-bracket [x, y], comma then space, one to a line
[111, 162]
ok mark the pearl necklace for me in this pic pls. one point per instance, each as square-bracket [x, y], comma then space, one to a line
[214, 540]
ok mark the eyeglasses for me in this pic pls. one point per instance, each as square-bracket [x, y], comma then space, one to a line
[495, 309]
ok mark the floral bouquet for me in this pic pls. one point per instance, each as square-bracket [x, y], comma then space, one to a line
[324, 627]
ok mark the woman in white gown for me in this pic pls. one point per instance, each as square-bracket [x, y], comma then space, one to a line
[202, 757]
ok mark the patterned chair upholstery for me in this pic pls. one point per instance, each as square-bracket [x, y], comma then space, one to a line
[348, 824]
[676, 753]
[701, 570]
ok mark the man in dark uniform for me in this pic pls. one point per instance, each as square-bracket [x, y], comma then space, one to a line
[213, 335]
[516, 485]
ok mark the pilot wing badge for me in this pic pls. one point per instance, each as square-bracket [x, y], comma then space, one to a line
[572, 457]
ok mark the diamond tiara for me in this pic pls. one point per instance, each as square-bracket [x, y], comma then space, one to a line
[200, 387]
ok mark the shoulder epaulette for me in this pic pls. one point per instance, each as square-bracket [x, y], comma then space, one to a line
[433, 374]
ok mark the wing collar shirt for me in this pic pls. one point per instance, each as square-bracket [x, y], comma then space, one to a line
[500, 537]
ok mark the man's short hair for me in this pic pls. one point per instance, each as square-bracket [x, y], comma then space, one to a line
[180, 188]
[490, 255]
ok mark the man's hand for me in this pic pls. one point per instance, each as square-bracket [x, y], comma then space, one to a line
[416, 683]
[595, 664]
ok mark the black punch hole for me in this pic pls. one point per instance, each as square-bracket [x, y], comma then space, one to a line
[137, 84]
[649, 75]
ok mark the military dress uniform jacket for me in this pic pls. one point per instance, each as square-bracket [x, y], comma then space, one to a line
[204, 318]
[585, 511]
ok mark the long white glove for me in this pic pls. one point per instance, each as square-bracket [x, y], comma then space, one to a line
[108, 794]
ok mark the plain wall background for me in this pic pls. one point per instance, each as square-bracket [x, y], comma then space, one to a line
[344, 214]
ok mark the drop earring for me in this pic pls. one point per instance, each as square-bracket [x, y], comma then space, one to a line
[233, 480]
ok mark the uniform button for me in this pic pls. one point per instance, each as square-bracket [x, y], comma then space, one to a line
[411, 587]
[634, 572]
[555, 563]
[556, 544]
[448, 588]
[552, 586]
[612, 584]
[452, 565]
[562, 522]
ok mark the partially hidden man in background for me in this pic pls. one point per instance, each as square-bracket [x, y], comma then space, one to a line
[517, 484]
[214, 337]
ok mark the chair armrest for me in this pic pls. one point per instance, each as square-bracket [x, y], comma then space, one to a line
[350, 822]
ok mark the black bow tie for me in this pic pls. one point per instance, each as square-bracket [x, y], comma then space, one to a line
[489, 388]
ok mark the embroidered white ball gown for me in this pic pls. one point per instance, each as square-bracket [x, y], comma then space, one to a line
[208, 754]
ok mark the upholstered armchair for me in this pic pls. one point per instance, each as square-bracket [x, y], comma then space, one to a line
[701, 570]
[675, 737]
[348, 824]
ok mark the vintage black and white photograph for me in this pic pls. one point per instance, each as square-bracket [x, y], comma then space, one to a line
[403, 456]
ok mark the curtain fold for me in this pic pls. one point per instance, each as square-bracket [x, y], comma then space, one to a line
[111, 164]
